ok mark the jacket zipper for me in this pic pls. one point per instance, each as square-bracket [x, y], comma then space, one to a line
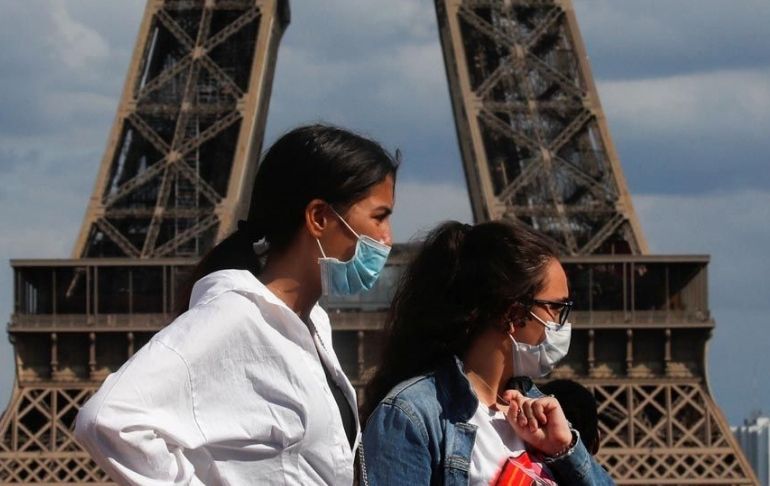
[364, 479]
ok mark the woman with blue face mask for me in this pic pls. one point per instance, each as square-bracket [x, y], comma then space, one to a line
[480, 311]
[244, 386]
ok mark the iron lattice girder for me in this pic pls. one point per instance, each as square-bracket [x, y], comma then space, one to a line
[665, 432]
[217, 5]
[117, 237]
[600, 188]
[183, 237]
[178, 32]
[47, 454]
[593, 208]
[122, 213]
[171, 109]
[148, 133]
[189, 86]
[157, 214]
[516, 91]
[164, 77]
[524, 58]
[615, 222]
[173, 157]
[188, 99]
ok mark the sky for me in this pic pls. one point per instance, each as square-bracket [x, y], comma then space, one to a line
[685, 85]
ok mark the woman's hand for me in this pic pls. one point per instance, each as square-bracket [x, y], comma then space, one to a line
[540, 422]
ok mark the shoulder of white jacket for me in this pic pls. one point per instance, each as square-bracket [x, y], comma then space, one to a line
[221, 281]
[210, 321]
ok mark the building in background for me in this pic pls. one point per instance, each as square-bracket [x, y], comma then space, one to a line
[754, 438]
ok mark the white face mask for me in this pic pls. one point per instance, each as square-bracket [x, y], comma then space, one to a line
[536, 360]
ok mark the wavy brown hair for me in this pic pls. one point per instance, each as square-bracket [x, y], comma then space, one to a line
[462, 280]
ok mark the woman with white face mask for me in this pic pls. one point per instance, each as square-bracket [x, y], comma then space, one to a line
[478, 307]
[244, 387]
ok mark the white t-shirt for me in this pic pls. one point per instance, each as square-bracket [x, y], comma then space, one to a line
[495, 443]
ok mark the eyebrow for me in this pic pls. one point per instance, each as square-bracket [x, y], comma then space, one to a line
[388, 210]
[557, 299]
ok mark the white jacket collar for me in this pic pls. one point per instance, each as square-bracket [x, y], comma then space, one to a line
[245, 283]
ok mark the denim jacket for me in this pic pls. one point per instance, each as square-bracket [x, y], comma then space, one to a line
[419, 434]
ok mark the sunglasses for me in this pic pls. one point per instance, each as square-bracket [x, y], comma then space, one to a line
[560, 308]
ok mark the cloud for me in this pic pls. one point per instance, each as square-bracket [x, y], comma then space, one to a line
[720, 104]
[339, 29]
[694, 133]
[657, 38]
[421, 206]
[732, 228]
[61, 81]
[395, 92]
[364, 83]
[74, 43]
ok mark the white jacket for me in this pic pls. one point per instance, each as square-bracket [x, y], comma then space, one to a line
[232, 392]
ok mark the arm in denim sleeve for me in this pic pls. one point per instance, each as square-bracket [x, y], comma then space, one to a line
[578, 468]
[396, 447]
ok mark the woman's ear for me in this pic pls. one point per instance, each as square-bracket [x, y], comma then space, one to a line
[315, 217]
[516, 315]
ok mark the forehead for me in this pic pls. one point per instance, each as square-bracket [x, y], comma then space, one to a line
[380, 194]
[555, 285]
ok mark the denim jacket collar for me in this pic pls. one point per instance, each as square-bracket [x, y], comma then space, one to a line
[457, 390]
[460, 392]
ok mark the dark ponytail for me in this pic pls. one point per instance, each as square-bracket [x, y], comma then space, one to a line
[462, 280]
[309, 162]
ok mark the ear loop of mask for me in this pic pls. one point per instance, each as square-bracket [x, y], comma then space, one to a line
[344, 222]
[323, 255]
[318, 241]
[540, 319]
[354, 231]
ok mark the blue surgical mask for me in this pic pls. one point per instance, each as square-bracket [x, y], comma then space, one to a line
[357, 274]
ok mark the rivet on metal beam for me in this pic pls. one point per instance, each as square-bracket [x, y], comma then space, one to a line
[198, 52]
[546, 155]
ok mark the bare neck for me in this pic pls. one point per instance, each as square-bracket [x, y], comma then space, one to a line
[487, 365]
[293, 279]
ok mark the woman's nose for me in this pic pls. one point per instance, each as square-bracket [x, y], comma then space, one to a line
[387, 236]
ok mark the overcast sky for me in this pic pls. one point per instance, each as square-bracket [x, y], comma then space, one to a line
[685, 85]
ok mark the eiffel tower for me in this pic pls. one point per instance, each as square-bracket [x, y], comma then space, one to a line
[180, 157]
[535, 147]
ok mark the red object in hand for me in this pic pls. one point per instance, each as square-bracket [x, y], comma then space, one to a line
[521, 471]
